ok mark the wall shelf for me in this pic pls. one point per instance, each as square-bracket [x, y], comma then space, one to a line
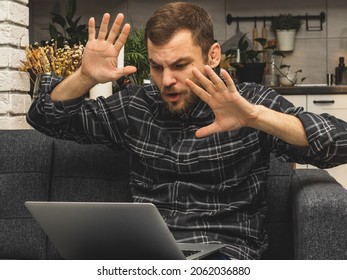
[321, 18]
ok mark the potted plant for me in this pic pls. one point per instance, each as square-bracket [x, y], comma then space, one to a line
[48, 58]
[285, 26]
[135, 54]
[247, 61]
[288, 77]
[66, 29]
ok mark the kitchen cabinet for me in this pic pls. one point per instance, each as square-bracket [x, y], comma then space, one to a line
[299, 100]
[334, 104]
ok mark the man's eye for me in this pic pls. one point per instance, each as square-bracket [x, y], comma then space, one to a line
[156, 67]
[180, 66]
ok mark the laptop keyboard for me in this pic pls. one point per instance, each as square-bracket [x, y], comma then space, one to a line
[188, 253]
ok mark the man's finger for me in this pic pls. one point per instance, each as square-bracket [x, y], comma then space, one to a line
[204, 81]
[121, 72]
[122, 37]
[207, 130]
[115, 28]
[104, 26]
[215, 79]
[203, 94]
[127, 70]
[228, 80]
[91, 29]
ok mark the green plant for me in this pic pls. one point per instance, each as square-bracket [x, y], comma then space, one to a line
[135, 54]
[68, 29]
[247, 61]
[285, 22]
[289, 77]
[247, 54]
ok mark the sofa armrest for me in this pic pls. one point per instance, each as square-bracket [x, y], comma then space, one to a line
[319, 215]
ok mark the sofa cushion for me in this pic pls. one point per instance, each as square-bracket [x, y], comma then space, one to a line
[22, 238]
[25, 168]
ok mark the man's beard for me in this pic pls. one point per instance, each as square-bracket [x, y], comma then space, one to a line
[177, 108]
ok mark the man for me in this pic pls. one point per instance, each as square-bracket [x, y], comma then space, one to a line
[199, 144]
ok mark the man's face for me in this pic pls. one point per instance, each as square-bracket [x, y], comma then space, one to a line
[170, 65]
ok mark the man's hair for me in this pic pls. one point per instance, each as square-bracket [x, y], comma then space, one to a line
[176, 16]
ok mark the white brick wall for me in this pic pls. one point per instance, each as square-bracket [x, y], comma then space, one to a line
[14, 84]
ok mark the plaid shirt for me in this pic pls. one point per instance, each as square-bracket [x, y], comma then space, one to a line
[207, 189]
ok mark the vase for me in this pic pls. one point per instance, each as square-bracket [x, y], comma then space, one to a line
[288, 79]
[251, 72]
[102, 89]
[286, 39]
[35, 85]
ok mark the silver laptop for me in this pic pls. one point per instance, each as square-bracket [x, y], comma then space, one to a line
[112, 230]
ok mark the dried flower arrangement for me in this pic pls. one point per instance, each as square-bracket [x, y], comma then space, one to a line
[49, 59]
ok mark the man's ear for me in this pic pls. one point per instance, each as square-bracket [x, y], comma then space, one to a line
[214, 55]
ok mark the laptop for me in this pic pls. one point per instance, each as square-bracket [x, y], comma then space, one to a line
[112, 230]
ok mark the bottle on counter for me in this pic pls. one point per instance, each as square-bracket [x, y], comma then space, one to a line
[271, 75]
[341, 72]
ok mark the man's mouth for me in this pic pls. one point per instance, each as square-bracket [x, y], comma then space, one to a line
[172, 97]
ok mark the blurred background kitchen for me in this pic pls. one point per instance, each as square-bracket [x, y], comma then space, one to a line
[316, 51]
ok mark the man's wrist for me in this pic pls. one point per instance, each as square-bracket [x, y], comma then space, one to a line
[74, 86]
[256, 116]
[84, 80]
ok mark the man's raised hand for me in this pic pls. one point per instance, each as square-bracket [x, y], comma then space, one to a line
[231, 110]
[99, 62]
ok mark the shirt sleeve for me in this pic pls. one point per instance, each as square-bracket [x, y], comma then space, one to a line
[80, 120]
[326, 134]
[327, 137]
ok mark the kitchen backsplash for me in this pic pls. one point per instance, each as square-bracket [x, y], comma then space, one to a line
[316, 52]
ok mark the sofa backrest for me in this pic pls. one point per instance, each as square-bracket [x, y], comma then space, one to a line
[37, 167]
[87, 173]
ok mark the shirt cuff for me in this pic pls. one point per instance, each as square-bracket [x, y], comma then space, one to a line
[48, 83]
[321, 130]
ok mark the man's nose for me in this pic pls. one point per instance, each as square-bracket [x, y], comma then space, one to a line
[168, 78]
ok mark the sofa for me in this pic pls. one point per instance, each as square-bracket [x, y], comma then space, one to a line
[306, 216]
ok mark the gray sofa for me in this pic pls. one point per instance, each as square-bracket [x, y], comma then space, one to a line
[307, 208]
